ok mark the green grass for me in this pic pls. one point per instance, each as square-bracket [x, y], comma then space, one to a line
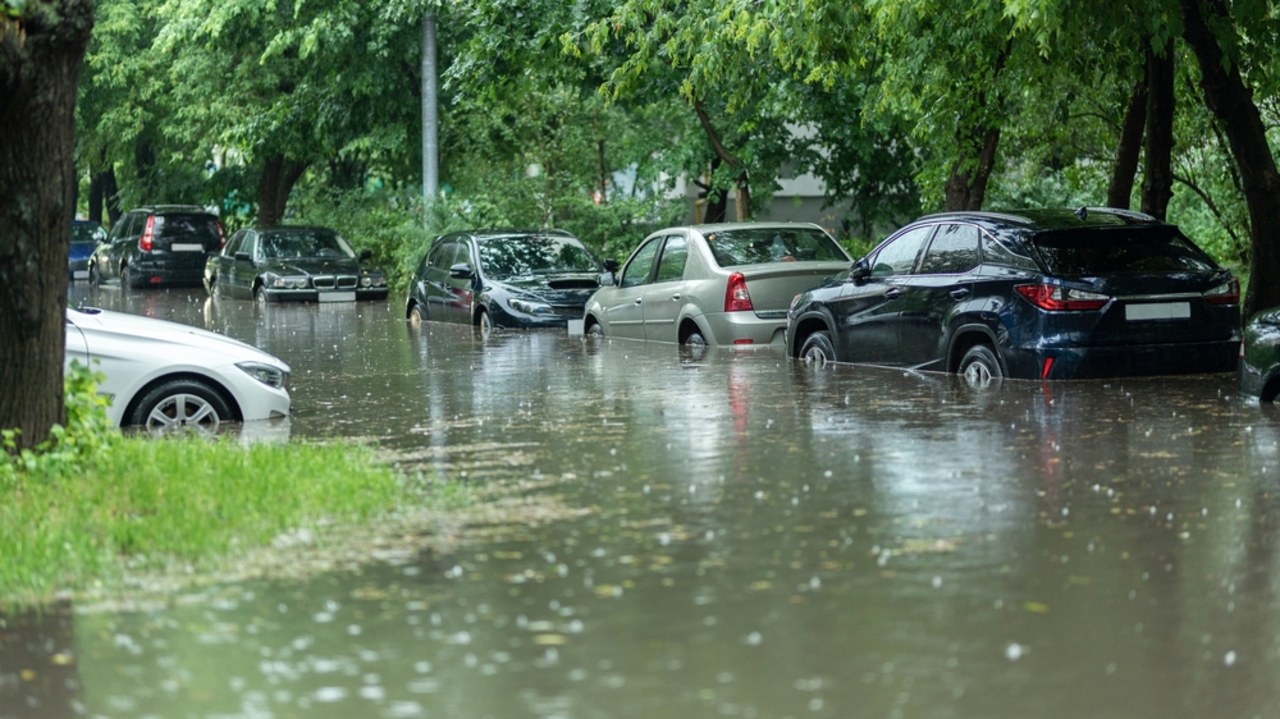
[139, 504]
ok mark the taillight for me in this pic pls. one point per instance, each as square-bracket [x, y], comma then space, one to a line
[1227, 293]
[736, 297]
[148, 235]
[1057, 298]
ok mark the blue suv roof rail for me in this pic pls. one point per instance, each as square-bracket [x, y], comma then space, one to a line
[1133, 215]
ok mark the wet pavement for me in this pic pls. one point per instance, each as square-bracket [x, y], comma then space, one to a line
[742, 537]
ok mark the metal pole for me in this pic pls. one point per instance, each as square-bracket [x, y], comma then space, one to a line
[430, 120]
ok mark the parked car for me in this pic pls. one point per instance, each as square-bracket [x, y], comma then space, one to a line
[1258, 374]
[717, 284]
[308, 264]
[159, 245]
[164, 376]
[1038, 294]
[504, 278]
[85, 236]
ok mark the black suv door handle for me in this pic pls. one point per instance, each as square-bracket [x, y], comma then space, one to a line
[892, 293]
[959, 293]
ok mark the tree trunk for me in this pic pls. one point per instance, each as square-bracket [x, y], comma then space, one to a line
[743, 183]
[966, 187]
[1120, 191]
[40, 57]
[1231, 101]
[1157, 176]
[104, 201]
[279, 175]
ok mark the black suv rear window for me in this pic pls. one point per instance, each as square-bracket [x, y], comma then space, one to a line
[196, 227]
[1119, 251]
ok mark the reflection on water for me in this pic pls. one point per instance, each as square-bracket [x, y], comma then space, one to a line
[760, 540]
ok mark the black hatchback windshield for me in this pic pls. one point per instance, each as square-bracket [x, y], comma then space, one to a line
[525, 256]
[1120, 251]
[751, 246]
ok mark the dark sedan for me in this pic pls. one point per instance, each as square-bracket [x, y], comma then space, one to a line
[302, 264]
[504, 278]
[1034, 294]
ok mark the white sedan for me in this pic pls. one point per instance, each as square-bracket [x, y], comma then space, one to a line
[166, 376]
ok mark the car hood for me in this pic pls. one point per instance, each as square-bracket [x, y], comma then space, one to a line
[312, 266]
[166, 336]
[553, 288]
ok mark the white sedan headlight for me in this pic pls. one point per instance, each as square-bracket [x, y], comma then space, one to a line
[265, 373]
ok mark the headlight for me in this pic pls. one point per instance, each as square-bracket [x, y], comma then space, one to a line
[373, 280]
[288, 282]
[265, 373]
[530, 308]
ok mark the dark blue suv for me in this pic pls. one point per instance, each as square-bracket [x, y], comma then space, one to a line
[1036, 294]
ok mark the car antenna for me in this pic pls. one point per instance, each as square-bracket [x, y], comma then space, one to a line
[1082, 213]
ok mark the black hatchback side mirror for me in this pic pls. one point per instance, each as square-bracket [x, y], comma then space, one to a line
[460, 271]
[860, 272]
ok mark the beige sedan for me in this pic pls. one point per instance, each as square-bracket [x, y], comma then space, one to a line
[717, 284]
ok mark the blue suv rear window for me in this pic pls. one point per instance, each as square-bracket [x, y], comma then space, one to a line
[1124, 250]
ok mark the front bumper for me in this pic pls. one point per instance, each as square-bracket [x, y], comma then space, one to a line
[313, 295]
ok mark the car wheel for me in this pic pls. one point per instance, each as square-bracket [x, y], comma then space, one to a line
[980, 367]
[595, 331]
[415, 315]
[210, 282]
[695, 339]
[485, 324]
[126, 277]
[95, 280]
[818, 350]
[182, 405]
[260, 295]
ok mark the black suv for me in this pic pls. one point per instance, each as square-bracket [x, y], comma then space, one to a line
[1037, 294]
[158, 245]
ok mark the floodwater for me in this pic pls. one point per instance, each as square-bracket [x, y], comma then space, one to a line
[741, 536]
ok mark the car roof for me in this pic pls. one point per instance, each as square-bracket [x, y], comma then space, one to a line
[1047, 219]
[161, 209]
[279, 229]
[709, 227]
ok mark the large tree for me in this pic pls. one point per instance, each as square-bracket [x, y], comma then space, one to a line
[41, 48]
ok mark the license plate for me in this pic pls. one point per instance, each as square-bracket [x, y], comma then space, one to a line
[337, 297]
[81, 274]
[1158, 311]
[186, 247]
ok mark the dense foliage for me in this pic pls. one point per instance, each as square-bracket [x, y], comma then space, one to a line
[584, 115]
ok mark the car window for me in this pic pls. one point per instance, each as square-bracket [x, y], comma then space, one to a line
[87, 232]
[674, 255]
[754, 245]
[233, 245]
[898, 255]
[464, 255]
[530, 255]
[304, 243]
[442, 254]
[996, 252]
[637, 270]
[1121, 250]
[250, 244]
[199, 227]
[954, 249]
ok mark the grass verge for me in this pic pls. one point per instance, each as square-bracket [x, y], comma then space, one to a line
[144, 505]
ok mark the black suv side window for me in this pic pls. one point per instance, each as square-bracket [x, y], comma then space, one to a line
[898, 255]
[442, 254]
[995, 252]
[954, 250]
[233, 244]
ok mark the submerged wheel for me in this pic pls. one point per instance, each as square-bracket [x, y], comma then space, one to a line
[484, 323]
[980, 367]
[95, 280]
[695, 339]
[415, 315]
[181, 405]
[126, 277]
[818, 350]
[594, 330]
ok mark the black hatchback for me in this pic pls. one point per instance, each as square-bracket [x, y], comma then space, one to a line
[1035, 294]
[504, 278]
[157, 245]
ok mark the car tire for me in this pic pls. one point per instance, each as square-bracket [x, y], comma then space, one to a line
[182, 405]
[95, 280]
[126, 278]
[484, 323]
[210, 282]
[260, 295]
[980, 367]
[818, 350]
[695, 339]
[595, 330]
[415, 315]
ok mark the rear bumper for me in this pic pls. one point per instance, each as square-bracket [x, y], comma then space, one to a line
[1123, 361]
[745, 329]
[148, 273]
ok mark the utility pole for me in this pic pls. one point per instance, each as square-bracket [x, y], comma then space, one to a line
[430, 118]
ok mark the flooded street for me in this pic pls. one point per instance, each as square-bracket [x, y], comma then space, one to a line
[742, 537]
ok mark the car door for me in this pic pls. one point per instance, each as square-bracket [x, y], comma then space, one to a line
[242, 265]
[867, 312]
[109, 258]
[462, 287]
[435, 279]
[624, 313]
[663, 298]
[931, 296]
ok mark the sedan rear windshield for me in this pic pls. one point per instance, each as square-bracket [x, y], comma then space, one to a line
[755, 245]
[1120, 251]
[526, 256]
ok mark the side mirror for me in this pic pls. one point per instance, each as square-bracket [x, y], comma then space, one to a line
[242, 257]
[460, 271]
[860, 272]
[611, 266]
